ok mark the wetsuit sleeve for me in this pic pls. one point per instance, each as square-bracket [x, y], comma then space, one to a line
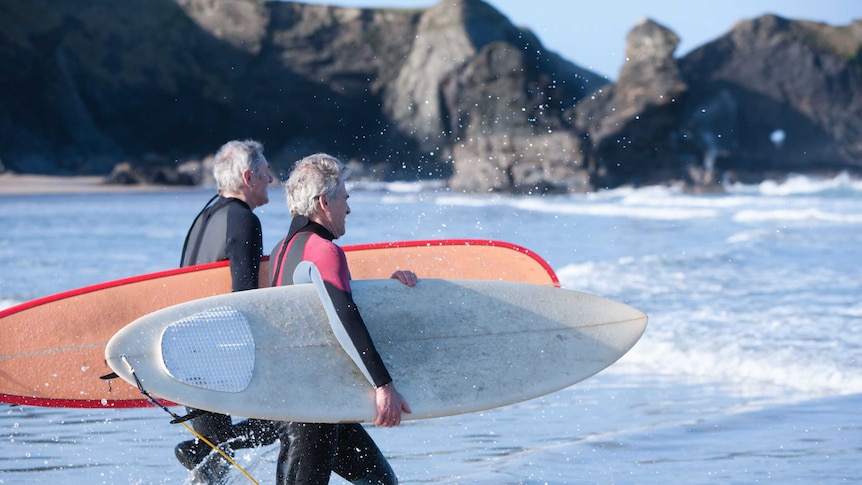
[243, 248]
[349, 316]
[332, 264]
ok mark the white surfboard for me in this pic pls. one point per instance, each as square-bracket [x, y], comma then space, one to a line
[451, 346]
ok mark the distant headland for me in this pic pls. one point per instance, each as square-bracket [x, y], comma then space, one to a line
[144, 91]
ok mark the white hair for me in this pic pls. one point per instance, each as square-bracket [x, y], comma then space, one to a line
[234, 158]
[311, 177]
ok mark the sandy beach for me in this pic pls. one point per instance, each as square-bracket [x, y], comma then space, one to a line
[14, 184]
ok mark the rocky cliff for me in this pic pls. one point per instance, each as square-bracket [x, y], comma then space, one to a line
[776, 95]
[454, 91]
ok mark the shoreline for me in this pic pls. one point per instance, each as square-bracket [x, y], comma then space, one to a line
[13, 184]
[18, 184]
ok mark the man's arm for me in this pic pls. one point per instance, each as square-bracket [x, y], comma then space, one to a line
[351, 332]
[390, 403]
[243, 249]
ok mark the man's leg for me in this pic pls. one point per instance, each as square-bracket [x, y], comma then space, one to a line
[207, 464]
[252, 433]
[359, 460]
[307, 451]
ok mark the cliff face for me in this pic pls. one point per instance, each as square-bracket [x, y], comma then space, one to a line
[453, 91]
[775, 94]
[630, 124]
[85, 84]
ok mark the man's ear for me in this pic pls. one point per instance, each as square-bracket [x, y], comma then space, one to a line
[247, 177]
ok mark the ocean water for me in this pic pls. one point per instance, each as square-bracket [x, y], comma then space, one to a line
[750, 370]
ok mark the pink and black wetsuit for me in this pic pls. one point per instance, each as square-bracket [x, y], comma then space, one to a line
[310, 452]
[312, 242]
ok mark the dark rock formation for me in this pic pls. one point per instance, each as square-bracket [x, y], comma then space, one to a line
[500, 109]
[630, 124]
[776, 95]
[86, 84]
[451, 92]
[124, 173]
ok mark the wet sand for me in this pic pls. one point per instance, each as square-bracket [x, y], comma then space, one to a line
[13, 184]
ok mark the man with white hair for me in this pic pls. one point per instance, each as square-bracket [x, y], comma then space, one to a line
[227, 229]
[310, 452]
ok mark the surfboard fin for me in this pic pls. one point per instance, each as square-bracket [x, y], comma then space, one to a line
[106, 377]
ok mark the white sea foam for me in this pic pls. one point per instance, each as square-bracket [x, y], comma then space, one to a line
[582, 206]
[398, 187]
[752, 372]
[799, 185]
[749, 236]
[669, 204]
[737, 316]
[796, 215]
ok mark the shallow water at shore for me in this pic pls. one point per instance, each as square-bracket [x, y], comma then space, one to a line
[749, 371]
[609, 429]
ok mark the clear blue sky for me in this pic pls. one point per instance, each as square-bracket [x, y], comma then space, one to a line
[591, 33]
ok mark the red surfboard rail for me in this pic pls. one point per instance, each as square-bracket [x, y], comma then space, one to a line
[52, 350]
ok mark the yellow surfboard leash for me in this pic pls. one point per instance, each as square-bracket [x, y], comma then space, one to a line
[181, 420]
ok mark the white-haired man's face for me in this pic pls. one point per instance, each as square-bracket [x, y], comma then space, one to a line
[332, 212]
[257, 182]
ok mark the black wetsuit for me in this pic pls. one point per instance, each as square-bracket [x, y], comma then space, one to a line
[228, 229]
[310, 452]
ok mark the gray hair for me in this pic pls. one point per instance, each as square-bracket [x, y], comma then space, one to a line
[311, 177]
[234, 158]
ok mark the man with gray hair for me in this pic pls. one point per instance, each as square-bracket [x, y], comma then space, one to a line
[310, 452]
[227, 229]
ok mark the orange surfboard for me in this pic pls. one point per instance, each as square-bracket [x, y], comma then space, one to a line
[52, 349]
